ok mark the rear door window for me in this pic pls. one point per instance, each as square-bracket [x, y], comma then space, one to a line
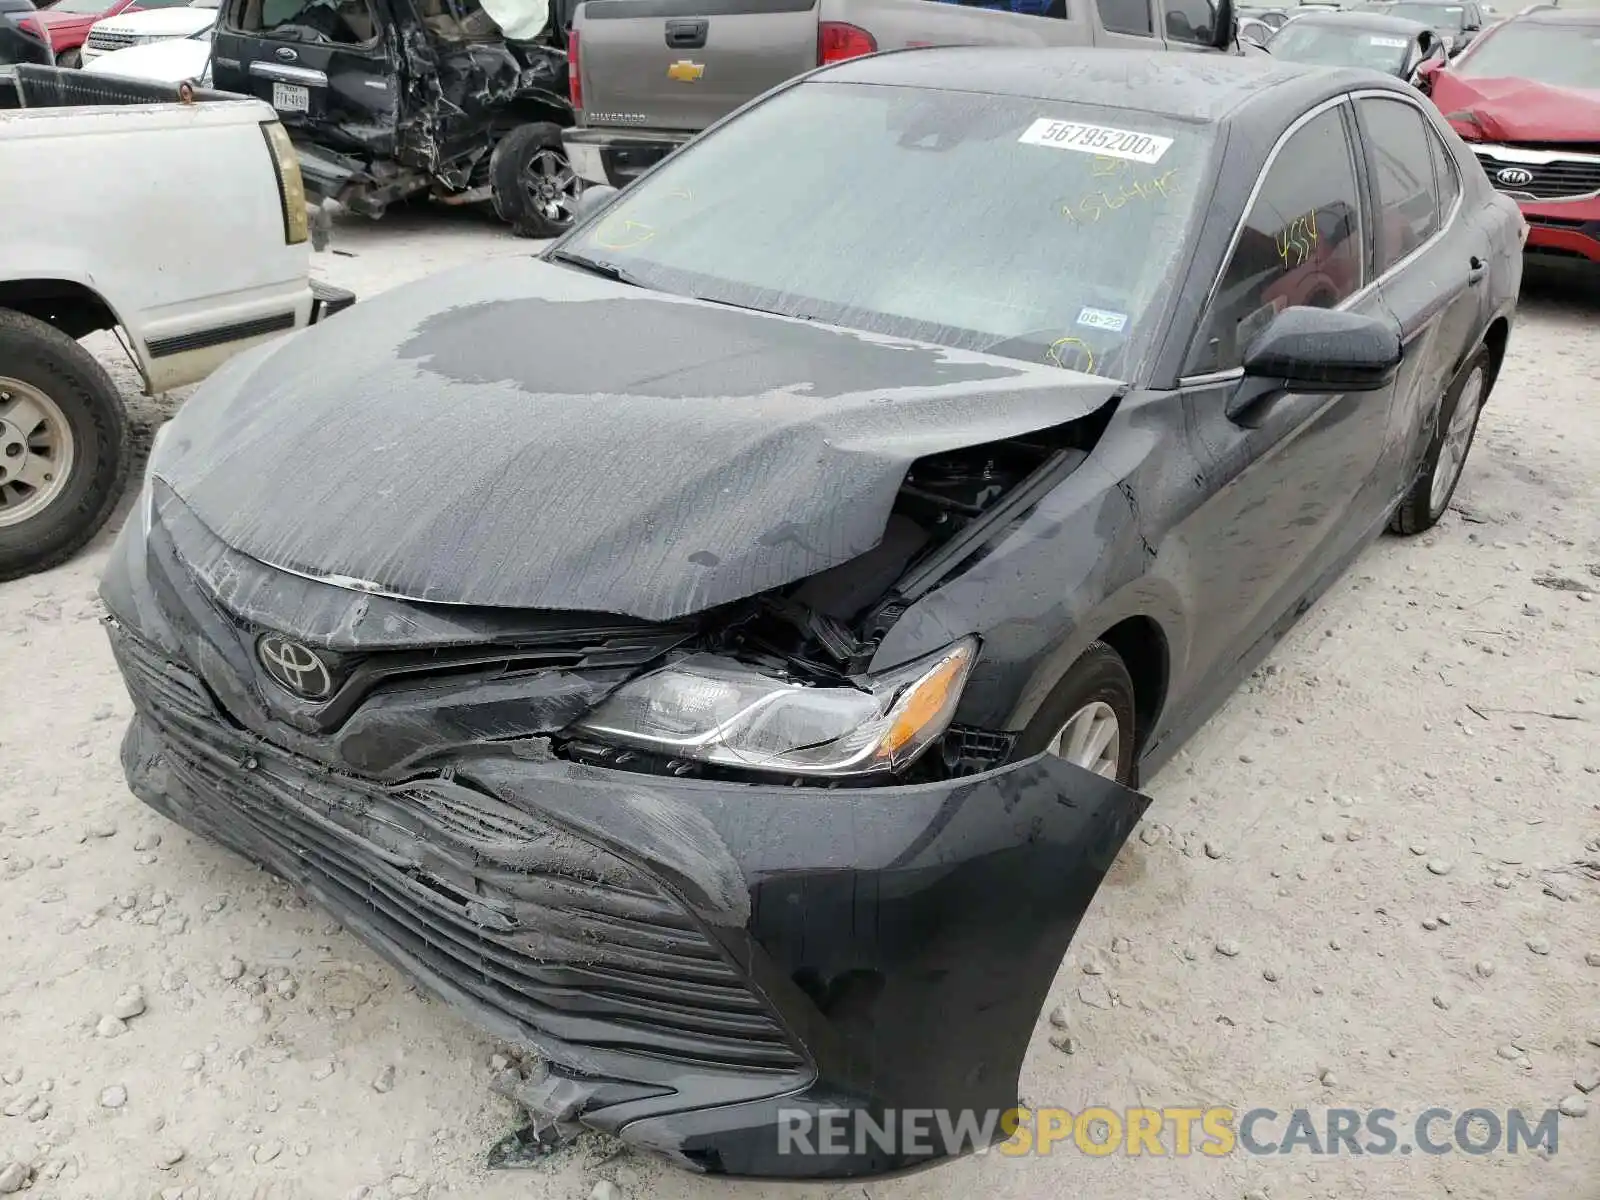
[1299, 245]
[1446, 176]
[1401, 156]
[316, 22]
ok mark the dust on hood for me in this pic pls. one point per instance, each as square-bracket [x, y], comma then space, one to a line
[517, 434]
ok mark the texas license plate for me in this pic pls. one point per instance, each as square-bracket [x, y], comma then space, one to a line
[289, 97]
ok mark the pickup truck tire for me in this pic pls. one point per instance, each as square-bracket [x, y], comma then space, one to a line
[73, 413]
[535, 188]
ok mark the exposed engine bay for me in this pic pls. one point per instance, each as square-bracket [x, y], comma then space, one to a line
[823, 631]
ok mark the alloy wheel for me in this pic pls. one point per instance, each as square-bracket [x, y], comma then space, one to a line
[1091, 739]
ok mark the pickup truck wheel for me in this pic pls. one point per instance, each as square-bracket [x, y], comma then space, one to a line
[63, 437]
[535, 188]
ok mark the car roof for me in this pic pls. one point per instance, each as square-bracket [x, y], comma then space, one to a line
[1364, 20]
[1201, 88]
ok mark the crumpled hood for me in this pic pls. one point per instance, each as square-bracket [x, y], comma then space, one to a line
[518, 434]
[1520, 110]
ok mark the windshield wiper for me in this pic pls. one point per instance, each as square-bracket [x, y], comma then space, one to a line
[594, 266]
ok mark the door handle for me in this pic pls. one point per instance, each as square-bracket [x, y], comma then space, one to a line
[687, 35]
[1476, 269]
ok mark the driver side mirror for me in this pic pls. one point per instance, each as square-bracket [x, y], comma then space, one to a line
[1325, 350]
[591, 200]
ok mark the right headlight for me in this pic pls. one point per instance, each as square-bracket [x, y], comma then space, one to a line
[717, 710]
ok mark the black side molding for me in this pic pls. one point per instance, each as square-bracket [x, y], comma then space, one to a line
[200, 339]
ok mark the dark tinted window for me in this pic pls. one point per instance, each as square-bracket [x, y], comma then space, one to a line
[1446, 177]
[1398, 144]
[1030, 8]
[1190, 20]
[1127, 16]
[1299, 245]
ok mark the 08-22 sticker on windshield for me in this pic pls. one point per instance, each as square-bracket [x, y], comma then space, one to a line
[1102, 140]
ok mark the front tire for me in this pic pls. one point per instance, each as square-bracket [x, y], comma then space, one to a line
[63, 446]
[1088, 718]
[1446, 458]
[535, 188]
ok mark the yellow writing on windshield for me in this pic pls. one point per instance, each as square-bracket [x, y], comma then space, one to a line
[622, 234]
[1297, 241]
[1091, 206]
[625, 233]
[1071, 353]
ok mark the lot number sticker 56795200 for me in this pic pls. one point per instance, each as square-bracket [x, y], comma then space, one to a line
[1097, 139]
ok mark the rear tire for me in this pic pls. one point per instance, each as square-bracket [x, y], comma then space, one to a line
[1095, 695]
[57, 406]
[1446, 458]
[72, 60]
[535, 188]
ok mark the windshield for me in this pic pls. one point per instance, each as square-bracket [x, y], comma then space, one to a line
[1561, 56]
[1435, 16]
[1025, 228]
[1340, 46]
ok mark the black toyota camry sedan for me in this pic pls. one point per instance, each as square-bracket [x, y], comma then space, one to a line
[721, 651]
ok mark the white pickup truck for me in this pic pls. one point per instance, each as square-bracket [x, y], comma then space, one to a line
[173, 215]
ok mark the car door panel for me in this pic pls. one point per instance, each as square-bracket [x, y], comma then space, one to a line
[1287, 480]
[1427, 286]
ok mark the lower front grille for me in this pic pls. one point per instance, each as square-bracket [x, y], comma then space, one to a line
[555, 936]
[101, 39]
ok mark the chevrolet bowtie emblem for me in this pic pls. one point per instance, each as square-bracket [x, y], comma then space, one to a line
[685, 71]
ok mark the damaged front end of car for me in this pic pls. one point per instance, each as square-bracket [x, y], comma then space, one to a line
[720, 864]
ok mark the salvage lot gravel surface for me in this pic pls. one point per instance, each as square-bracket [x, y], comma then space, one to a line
[1364, 884]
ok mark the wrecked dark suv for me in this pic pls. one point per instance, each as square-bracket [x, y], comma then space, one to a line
[721, 651]
[390, 99]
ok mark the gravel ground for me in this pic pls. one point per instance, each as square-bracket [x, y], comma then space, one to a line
[1362, 885]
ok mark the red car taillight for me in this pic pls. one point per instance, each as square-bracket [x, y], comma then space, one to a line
[837, 41]
[574, 81]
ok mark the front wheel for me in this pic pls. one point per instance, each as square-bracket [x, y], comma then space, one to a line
[1088, 717]
[1447, 453]
[63, 446]
[535, 188]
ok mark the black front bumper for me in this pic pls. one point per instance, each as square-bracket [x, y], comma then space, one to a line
[696, 961]
[618, 157]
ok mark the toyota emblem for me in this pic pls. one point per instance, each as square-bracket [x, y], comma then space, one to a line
[298, 670]
[1515, 176]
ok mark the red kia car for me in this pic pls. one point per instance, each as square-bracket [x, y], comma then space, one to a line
[66, 22]
[1526, 97]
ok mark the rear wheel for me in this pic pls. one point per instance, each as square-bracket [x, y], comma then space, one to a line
[63, 436]
[1447, 453]
[535, 188]
[72, 59]
[1088, 717]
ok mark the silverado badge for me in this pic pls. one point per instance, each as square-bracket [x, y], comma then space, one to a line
[685, 71]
